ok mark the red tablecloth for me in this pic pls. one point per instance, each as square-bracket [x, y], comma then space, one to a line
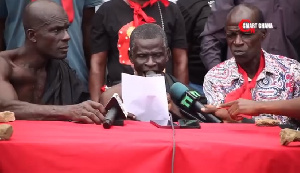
[38, 146]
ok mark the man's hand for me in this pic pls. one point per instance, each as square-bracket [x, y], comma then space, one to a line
[220, 113]
[242, 106]
[87, 112]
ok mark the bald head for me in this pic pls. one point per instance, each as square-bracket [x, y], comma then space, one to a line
[244, 11]
[42, 12]
[46, 28]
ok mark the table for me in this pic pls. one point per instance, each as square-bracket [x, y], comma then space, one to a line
[41, 146]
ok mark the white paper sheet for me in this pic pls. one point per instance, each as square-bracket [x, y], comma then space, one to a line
[145, 97]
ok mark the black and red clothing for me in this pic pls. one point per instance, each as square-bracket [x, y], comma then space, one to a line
[114, 14]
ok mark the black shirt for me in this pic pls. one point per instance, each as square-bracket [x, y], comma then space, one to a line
[114, 14]
[195, 13]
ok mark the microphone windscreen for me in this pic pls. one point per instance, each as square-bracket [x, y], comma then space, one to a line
[177, 90]
[150, 74]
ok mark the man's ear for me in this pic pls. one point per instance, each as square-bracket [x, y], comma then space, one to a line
[31, 35]
[264, 33]
[130, 56]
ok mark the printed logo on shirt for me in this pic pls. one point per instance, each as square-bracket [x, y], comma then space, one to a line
[246, 26]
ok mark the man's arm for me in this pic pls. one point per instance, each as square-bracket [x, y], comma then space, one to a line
[180, 65]
[213, 50]
[106, 96]
[100, 44]
[179, 48]
[213, 40]
[288, 108]
[7, 91]
[88, 14]
[97, 74]
[213, 92]
[23, 110]
[86, 112]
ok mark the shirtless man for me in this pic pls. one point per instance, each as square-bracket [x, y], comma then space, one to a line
[34, 77]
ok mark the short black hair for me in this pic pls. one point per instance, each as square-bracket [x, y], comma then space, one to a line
[254, 8]
[148, 31]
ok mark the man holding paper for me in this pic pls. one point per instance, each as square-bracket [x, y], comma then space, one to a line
[148, 53]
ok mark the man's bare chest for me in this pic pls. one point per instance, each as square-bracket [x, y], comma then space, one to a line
[29, 84]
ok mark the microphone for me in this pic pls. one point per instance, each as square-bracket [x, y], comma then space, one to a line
[152, 74]
[115, 110]
[188, 100]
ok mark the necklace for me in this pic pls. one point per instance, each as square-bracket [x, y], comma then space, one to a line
[160, 13]
[161, 17]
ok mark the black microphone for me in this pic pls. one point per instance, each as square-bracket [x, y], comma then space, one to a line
[115, 110]
[188, 100]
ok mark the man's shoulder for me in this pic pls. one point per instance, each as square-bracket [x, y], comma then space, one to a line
[6, 57]
[223, 70]
[92, 3]
[111, 3]
[63, 66]
[9, 54]
[4, 63]
[279, 61]
[171, 7]
[107, 6]
[58, 62]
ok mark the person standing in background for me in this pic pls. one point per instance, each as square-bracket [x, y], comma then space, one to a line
[283, 39]
[111, 29]
[80, 13]
[195, 13]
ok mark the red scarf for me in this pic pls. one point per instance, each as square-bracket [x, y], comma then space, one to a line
[245, 90]
[139, 15]
[68, 7]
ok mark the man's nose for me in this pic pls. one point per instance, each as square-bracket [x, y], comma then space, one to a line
[238, 40]
[150, 62]
[66, 36]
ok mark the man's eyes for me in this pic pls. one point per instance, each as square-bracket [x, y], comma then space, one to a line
[58, 30]
[146, 55]
[141, 55]
[231, 33]
[243, 34]
[247, 33]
